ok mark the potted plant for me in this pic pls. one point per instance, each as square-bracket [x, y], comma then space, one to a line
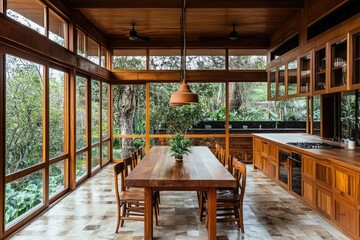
[179, 145]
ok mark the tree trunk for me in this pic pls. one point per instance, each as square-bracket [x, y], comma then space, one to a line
[234, 97]
[127, 110]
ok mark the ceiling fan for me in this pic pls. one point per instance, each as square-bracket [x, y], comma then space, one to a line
[134, 36]
[233, 36]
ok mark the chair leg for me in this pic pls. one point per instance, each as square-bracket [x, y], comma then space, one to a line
[118, 219]
[123, 212]
[202, 205]
[241, 219]
[156, 217]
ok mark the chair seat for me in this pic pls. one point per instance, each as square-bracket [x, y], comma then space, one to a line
[132, 194]
[227, 194]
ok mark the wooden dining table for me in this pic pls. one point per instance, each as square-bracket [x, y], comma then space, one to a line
[199, 171]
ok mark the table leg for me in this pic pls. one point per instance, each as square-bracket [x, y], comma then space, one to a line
[211, 210]
[148, 224]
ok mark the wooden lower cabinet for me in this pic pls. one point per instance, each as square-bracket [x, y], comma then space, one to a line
[358, 224]
[344, 183]
[345, 216]
[257, 160]
[323, 201]
[271, 170]
[308, 191]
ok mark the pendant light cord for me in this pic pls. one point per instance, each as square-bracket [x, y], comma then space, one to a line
[183, 47]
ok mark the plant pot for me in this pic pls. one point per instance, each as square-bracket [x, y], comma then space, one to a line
[179, 159]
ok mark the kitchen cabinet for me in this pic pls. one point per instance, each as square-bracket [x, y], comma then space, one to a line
[305, 74]
[272, 84]
[339, 65]
[281, 82]
[356, 62]
[320, 81]
[323, 201]
[292, 79]
[308, 167]
[323, 173]
[344, 184]
[345, 216]
[308, 192]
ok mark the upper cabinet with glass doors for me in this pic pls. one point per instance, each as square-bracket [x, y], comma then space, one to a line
[305, 74]
[292, 79]
[338, 63]
[272, 84]
[281, 82]
[320, 82]
[356, 64]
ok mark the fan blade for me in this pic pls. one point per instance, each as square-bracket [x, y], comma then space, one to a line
[144, 38]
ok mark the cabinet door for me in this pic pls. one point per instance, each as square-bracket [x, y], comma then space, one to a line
[308, 191]
[264, 148]
[273, 151]
[323, 202]
[344, 184]
[271, 170]
[345, 216]
[257, 144]
[308, 167]
[257, 160]
[323, 173]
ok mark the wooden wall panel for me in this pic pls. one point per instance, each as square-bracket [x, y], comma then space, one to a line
[316, 9]
[286, 30]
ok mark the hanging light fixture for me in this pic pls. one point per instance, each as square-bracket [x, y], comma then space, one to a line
[183, 96]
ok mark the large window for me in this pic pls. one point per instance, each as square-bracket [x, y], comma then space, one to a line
[165, 59]
[205, 59]
[129, 119]
[90, 49]
[129, 59]
[242, 60]
[95, 123]
[33, 15]
[24, 118]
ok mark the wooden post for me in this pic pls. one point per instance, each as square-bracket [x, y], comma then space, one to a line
[227, 132]
[2, 145]
[72, 130]
[147, 117]
[45, 138]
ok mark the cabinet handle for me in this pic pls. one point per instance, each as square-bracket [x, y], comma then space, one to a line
[342, 193]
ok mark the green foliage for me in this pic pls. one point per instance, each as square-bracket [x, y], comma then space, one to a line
[179, 145]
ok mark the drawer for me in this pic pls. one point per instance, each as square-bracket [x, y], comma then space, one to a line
[323, 202]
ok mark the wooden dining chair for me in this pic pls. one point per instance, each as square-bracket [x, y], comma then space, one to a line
[140, 153]
[130, 202]
[202, 196]
[134, 159]
[230, 203]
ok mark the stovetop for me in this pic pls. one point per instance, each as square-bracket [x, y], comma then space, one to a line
[313, 145]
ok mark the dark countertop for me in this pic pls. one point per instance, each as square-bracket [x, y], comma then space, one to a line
[340, 156]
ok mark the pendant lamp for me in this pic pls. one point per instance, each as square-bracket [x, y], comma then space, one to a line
[183, 96]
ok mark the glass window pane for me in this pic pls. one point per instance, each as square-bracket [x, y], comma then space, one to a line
[57, 28]
[92, 51]
[24, 118]
[129, 59]
[248, 101]
[211, 108]
[104, 109]
[205, 59]
[95, 157]
[22, 195]
[165, 59]
[80, 165]
[103, 57]
[81, 42]
[105, 152]
[57, 177]
[129, 109]
[95, 108]
[316, 115]
[123, 147]
[57, 143]
[80, 112]
[348, 115]
[29, 13]
[241, 59]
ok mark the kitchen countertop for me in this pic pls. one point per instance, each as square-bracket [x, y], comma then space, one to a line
[195, 130]
[340, 156]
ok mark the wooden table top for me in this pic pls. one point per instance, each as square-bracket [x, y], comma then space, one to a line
[199, 169]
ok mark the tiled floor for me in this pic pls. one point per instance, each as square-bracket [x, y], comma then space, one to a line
[90, 213]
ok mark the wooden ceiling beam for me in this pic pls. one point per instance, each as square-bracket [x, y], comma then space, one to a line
[244, 42]
[143, 76]
[77, 4]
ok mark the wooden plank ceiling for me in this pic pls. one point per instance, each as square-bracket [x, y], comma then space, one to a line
[209, 22]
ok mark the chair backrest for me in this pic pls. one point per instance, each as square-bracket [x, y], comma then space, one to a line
[230, 164]
[140, 153]
[240, 175]
[222, 156]
[134, 157]
[217, 150]
[128, 165]
[119, 170]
